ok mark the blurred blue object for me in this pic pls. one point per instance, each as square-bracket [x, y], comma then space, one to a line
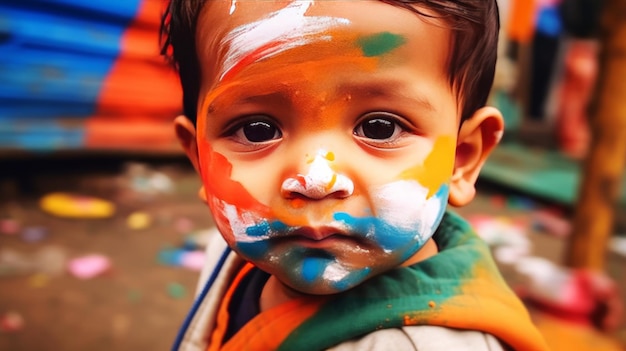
[56, 57]
[549, 21]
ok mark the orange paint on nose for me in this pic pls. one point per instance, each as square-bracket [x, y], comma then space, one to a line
[332, 182]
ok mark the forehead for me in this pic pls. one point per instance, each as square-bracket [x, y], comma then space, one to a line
[236, 32]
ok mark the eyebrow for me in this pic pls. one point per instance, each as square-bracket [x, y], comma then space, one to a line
[386, 90]
[263, 97]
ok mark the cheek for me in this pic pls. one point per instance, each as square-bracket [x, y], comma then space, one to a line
[406, 215]
[233, 207]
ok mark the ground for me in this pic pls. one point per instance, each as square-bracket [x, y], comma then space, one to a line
[140, 302]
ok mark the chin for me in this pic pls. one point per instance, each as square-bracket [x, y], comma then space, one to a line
[325, 286]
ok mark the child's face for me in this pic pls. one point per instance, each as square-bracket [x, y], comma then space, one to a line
[326, 135]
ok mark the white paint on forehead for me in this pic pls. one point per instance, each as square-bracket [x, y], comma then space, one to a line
[233, 6]
[289, 26]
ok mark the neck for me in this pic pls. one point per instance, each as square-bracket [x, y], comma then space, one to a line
[275, 293]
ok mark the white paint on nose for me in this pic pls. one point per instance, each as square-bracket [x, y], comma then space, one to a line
[321, 181]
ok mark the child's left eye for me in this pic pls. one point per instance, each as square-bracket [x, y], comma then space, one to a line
[379, 127]
[256, 131]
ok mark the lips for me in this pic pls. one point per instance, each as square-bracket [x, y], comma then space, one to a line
[318, 233]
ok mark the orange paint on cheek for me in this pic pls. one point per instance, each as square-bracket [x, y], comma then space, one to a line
[216, 176]
[437, 168]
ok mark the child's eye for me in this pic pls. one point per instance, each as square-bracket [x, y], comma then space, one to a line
[379, 127]
[255, 131]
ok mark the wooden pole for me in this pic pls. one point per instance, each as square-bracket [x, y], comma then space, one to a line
[594, 215]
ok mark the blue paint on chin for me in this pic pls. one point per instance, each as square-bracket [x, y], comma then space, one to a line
[253, 250]
[352, 280]
[313, 268]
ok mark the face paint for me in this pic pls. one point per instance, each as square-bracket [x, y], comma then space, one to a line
[278, 32]
[321, 181]
[322, 230]
[404, 217]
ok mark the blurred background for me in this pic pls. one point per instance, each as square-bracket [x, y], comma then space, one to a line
[101, 230]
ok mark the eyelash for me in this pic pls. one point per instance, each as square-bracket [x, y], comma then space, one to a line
[399, 129]
[233, 128]
[236, 130]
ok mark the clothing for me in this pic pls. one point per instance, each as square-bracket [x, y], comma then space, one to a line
[458, 295]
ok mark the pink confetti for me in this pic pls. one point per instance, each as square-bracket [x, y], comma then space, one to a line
[89, 266]
[9, 226]
[193, 260]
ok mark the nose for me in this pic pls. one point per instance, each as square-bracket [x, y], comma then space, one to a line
[320, 182]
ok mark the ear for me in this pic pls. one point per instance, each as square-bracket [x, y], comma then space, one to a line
[186, 134]
[477, 138]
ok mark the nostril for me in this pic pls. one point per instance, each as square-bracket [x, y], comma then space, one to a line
[343, 193]
[291, 195]
[339, 187]
[291, 188]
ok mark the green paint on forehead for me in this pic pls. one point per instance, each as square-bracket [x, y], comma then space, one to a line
[380, 43]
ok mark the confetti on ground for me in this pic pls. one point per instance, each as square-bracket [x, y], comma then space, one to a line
[551, 223]
[176, 290]
[138, 220]
[34, 234]
[183, 225]
[89, 266]
[76, 206]
[11, 322]
[9, 226]
[190, 259]
[51, 260]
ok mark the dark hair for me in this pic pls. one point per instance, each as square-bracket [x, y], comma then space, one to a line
[475, 25]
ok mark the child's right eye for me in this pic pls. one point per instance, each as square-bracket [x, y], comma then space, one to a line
[255, 131]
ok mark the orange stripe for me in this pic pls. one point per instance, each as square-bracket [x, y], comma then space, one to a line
[521, 21]
[267, 330]
[141, 85]
[221, 324]
[491, 310]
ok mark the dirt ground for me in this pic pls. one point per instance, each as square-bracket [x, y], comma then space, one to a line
[139, 303]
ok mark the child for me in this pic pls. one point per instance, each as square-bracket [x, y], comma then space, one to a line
[330, 136]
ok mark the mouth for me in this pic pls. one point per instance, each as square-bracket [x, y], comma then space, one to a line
[322, 237]
[318, 234]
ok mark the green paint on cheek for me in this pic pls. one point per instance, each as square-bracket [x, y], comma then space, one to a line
[380, 43]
